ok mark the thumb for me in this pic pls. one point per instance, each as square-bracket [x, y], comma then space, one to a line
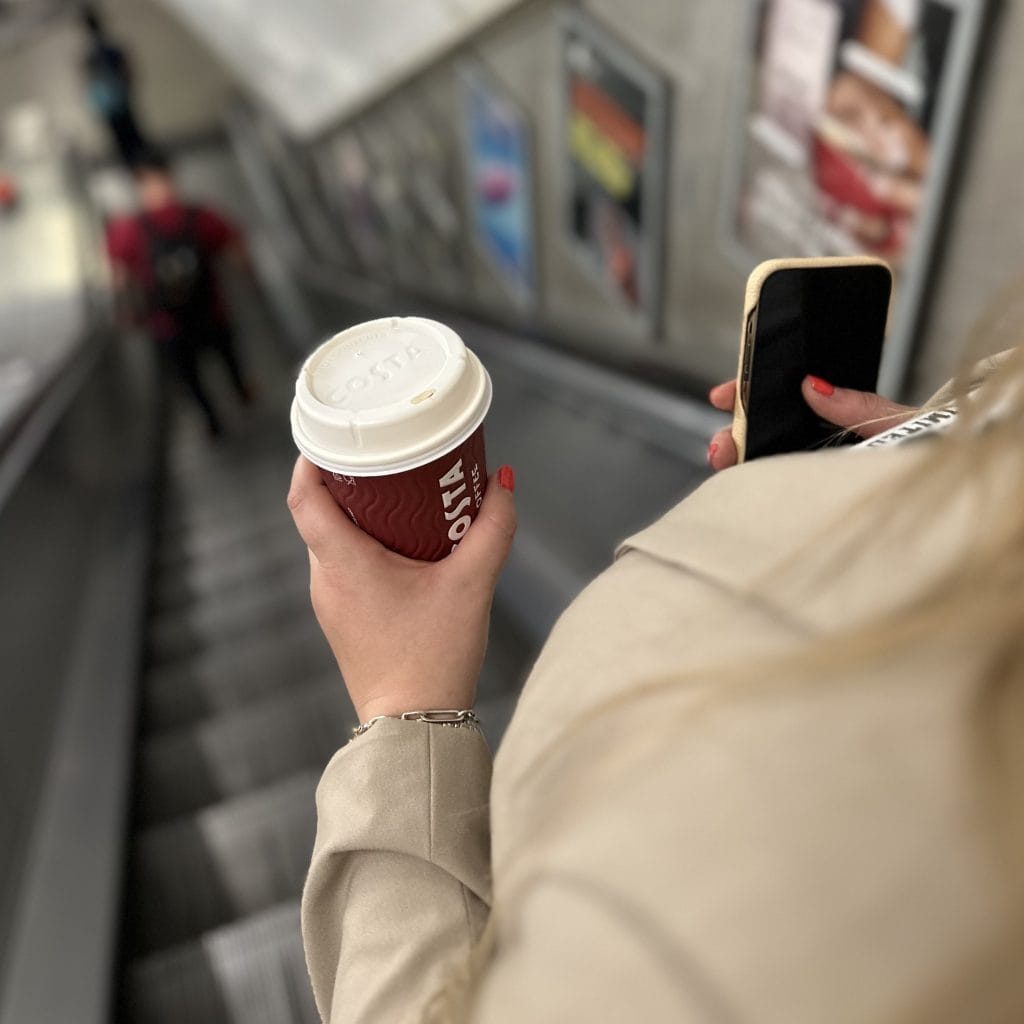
[330, 535]
[863, 412]
[488, 541]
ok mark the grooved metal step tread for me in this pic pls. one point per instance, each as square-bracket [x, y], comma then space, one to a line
[265, 438]
[247, 532]
[202, 477]
[228, 861]
[248, 972]
[213, 512]
[229, 570]
[227, 605]
[234, 673]
[201, 493]
[240, 614]
[298, 728]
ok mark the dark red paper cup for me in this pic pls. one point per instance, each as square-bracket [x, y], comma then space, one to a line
[421, 513]
[392, 413]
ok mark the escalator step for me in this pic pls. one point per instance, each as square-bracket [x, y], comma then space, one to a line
[250, 531]
[197, 478]
[224, 756]
[217, 508]
[233, 673]
[248, 972]
[228, 861]
[228, 618]
[230, 569]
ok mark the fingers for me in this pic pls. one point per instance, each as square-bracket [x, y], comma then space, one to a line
[722, 450]
[487, 543]
[863, 412]
[723, 396]
[332, 538]
[328, 533]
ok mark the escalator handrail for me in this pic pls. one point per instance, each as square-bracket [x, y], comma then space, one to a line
[69, 880]
[24, 436]
[26, 431]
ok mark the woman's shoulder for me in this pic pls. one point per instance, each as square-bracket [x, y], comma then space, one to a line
[761, 527]
[974, 377]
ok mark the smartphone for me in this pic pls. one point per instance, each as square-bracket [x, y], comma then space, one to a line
[823, 316]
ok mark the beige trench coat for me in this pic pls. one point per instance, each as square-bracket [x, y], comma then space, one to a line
[726, 849]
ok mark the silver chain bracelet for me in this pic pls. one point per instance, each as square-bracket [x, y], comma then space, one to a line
[454, 718]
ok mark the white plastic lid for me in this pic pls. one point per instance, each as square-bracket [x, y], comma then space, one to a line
[387, 396]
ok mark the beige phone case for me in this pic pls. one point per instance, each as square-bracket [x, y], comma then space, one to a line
[755, 283]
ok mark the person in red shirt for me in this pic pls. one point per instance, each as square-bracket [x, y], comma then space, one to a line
[164, 261]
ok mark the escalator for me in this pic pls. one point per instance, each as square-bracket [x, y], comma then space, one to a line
[242, 707]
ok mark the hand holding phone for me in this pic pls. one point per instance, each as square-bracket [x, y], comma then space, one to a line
[820, 317]
[862, 412]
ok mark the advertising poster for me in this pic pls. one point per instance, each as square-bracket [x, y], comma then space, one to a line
[500, 183]
[846, 129]
[615, 137]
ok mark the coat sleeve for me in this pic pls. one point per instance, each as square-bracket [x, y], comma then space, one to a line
[399, 886]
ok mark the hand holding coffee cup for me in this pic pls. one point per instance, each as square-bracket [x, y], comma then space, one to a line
[392, 413]
[408, 635]
[388, 416]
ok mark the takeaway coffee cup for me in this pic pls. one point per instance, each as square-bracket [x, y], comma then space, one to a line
[392, 413]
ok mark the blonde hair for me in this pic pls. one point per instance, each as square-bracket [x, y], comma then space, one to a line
[978, 607]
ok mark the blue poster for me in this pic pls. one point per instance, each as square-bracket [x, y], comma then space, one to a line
[499, 182]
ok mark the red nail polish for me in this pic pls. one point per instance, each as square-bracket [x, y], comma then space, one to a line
[821, 386]
[506, 478]
[712, 450]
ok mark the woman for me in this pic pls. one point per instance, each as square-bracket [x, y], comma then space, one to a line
[768, 766]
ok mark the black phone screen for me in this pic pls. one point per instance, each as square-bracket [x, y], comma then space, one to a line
[825, 321]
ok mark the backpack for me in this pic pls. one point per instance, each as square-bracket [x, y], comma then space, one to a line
[182, 282]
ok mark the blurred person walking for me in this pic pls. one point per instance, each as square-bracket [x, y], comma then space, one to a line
[164, 262]
[108, 78]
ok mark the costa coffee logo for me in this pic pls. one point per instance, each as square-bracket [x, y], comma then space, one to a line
[379, 373]
[458, 496]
